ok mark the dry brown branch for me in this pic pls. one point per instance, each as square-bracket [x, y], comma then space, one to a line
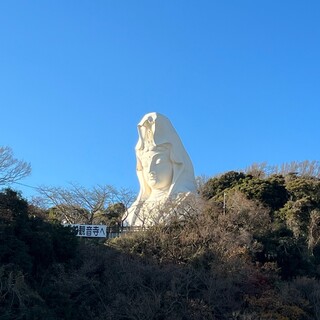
[11, 169]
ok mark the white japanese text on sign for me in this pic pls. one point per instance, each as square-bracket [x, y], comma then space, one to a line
[89, 230]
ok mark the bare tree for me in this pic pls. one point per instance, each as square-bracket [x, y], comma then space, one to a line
[314, 230]
[201, 181]
[304, 168]
[11, 169]
[81, 205]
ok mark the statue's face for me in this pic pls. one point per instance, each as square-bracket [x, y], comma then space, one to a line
[157, 169]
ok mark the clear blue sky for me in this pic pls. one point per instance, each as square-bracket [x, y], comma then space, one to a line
[239, 80]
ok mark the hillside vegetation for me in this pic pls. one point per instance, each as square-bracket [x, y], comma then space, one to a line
[247, 248]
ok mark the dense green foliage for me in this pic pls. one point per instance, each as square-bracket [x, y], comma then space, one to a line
[293, 201]
[247, 248]
[29, 249]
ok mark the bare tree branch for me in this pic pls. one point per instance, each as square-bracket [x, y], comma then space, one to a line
[11, 169]
[81, 205]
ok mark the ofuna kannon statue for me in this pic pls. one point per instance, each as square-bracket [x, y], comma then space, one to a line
[164, 170]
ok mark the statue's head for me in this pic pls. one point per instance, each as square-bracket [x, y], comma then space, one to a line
[162, 162]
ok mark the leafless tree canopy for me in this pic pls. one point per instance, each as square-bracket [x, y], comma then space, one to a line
[12, 169]
[304, 168]
[78, 204]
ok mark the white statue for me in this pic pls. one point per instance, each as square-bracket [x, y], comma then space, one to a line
[164, 170]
